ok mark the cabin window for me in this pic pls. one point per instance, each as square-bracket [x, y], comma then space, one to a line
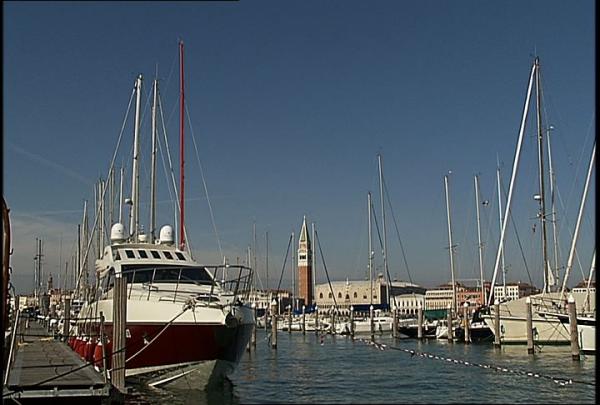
[130, 254]
[155, 254]
[117, 256]
[143, 254]
[167, 274]
[179, 256]
[168, 255]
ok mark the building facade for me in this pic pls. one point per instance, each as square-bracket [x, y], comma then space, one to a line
[514, 291]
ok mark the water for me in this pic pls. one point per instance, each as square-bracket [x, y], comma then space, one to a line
[302, 370]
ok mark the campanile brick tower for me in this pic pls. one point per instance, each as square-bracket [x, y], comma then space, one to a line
[305, 266]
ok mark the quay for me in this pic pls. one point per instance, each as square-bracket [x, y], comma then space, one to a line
[43, 368]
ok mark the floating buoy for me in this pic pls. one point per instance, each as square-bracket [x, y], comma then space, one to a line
[97, 356]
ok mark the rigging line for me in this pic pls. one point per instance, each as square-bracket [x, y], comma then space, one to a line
[171, 165]
[387, 194]
[166, 172]
[212, 215]
[287, 252]
[112, 163]
[510, 216]
[325, 267]
[580, 161]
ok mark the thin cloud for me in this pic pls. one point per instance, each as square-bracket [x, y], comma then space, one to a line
[56, 166]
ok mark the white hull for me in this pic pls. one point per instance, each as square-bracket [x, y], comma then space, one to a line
[587, 338]
[548, 330]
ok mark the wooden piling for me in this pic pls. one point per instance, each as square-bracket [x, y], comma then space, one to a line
[352, 321]
[466, 315]
[419, 321]
[303, 319]
[573, 326]
[274, 324]
[395, 323]
[497, 323]
[316, 320]
[67, 317]
[289, 319]
[371, 324]
[529, 326]
[332, 320]
[450, 331]
[253, 337]
[119, 327]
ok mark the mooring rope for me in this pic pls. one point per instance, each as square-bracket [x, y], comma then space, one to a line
[557, 380]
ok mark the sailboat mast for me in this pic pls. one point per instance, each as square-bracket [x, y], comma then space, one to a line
[541, 198]
[181, 151]
[135, 188]
[451, 247]
[369, 208]
[314, 262]
[589, 282]
[578, 224]
[153, 165]
[512, 182]
[479, 244]
[501, 220]
[553, 206]
[121, 195]
[385, 261]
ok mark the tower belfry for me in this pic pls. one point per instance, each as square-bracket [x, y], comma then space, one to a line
[305, 266]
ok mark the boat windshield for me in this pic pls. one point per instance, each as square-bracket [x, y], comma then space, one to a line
[167, 274]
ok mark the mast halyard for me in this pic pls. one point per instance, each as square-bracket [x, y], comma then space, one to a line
[181, 151]
[450, 247]
[553, 206]
[501, 220]
[479, 243]
[541, 197]
[369, 208]
[385, 260]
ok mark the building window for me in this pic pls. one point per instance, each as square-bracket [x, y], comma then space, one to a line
[339, 295]
[347, 296]
[321, 295]
[355, 294]
[302, 257]
[330, 295]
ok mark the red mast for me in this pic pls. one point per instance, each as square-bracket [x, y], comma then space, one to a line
[181, 153]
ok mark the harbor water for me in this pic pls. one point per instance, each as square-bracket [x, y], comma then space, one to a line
[335, 369]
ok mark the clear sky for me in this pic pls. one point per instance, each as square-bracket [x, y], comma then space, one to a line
[290, 102]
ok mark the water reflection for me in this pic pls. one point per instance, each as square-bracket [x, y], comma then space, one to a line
[143, 394]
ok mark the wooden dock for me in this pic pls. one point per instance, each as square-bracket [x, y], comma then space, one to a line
[45, 368]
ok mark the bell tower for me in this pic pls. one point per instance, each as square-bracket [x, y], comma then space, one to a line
[305, 266]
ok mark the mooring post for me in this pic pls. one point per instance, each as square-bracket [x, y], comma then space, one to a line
[466, 315]
[450, 331]
[573, 325]
[67, 316]
[332, 320]
[103, 344]
[352, 321]
[289, 319]
[317, 320]
[274, 324]
[119, 326]
[303, 319]
[419, 321]
[497, 323]
[529, 326]
[371, 324]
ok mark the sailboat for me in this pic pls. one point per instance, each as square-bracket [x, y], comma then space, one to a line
[184, 318]
[547, 329]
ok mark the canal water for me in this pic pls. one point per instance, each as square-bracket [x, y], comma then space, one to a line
[334, 369]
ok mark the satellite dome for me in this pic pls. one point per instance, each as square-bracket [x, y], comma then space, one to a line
[117, 233]
[166, 235]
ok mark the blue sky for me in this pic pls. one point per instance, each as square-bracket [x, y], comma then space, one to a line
[290, 102]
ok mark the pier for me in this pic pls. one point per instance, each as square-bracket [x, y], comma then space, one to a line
[43, 368]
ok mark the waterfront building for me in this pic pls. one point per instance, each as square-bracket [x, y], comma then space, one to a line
[514, 291]
[582, 287]
[408, 304]
[356, 293]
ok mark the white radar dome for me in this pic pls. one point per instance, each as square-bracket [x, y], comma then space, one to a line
[117, 233]
[166, 235]
[143, 238]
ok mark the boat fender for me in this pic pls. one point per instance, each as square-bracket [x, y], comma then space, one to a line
[231, 321]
